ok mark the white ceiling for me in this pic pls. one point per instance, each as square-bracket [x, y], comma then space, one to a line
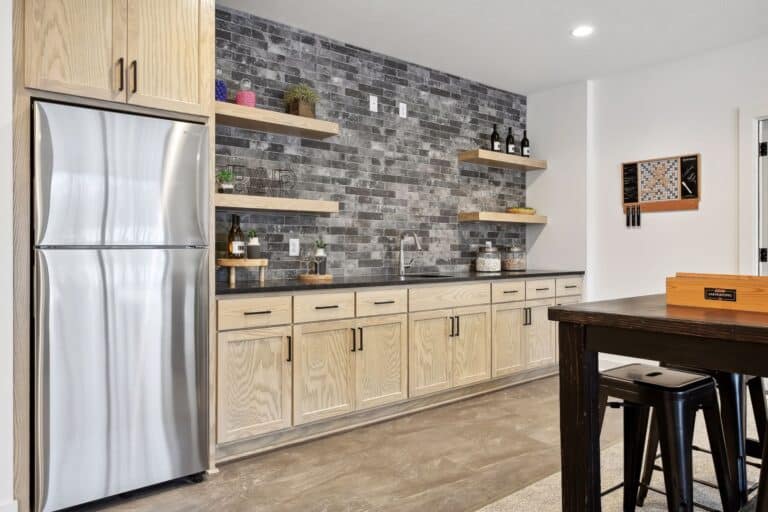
[525, 45]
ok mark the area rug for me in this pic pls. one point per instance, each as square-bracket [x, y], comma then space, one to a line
[544, 495]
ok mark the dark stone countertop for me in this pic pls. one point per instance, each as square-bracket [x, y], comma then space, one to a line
[293, 285]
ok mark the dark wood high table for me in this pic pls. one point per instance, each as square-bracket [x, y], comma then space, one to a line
[644, 327]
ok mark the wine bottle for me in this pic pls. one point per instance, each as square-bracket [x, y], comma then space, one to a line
[525, 145]
[510, 145]
[495, 140]
[235, 239]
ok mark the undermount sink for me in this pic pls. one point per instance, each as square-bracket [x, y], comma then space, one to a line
[430, 276]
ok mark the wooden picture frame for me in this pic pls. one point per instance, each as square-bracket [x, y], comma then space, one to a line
[661, 195]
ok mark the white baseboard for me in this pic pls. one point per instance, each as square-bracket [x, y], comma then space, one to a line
[11, 506]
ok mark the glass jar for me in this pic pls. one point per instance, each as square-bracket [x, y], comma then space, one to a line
[513, 259]
[488, 259]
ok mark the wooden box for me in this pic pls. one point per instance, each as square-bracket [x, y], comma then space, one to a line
[719, 291]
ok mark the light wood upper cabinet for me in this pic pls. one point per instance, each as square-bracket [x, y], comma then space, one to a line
[323, 376]
[75, 47]
[381, 365]
[430, 353]
[508, 349]
[164, 54]
[472, 345]
[254, 382]
[538, 335]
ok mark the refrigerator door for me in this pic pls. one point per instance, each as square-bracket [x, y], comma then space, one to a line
[120, 358]
[104, 178]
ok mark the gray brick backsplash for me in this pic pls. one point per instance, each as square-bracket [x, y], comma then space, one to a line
[389, 174]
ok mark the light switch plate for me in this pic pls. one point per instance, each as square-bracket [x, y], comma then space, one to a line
[373, 103]
[403, 110]
[293, 247]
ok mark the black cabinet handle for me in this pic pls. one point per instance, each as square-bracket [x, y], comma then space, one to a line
[571, 286]
[121, 64]
[267, 312]
[458, 325]
[511, 291]
[542, 289]
[453, 326]
[135, 77]
[327, 307]
[354, 339]
[361, 339]
[290, 349]
[382, 302]
[526, 316]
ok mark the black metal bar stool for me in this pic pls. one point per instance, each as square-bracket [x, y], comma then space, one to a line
[675, 396]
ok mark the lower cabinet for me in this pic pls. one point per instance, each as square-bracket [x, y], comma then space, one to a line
[509, 353]
[254, 382]
[448, 348]
[381, 365]
[537, 334]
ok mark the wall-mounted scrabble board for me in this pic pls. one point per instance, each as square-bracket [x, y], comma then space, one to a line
[662, 184]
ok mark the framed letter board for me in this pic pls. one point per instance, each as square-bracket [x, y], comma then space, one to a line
[662, 184]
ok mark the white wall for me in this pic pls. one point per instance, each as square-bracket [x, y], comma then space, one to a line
[557, 128]
[688, 106]
[6, 264]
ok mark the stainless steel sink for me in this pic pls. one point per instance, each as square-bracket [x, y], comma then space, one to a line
[427, 276]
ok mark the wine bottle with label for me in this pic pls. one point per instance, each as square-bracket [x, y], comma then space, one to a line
[510, 145]
[495, 140]
[525, 145]
[236, 239]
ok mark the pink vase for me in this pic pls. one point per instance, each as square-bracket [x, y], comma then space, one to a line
[246, 98]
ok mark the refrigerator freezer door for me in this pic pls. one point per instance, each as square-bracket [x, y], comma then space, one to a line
[104, 178]
[121, 370]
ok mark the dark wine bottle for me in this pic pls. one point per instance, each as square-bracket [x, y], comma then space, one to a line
[495, 140]
[235, 239]
[510, 145]
[525, 145]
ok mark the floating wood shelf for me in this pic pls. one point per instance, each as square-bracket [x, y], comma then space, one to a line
[259, 119]
[501, 217]
[496, 159]
[283, 204]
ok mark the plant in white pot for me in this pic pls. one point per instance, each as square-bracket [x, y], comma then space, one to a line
[226, 180]
[321, 257]
[254, 247]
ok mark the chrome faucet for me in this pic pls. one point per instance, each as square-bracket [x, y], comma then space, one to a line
[403, 266]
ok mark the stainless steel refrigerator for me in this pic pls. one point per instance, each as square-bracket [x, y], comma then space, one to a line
[120, 227]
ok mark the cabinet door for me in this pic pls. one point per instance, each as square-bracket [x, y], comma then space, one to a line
[429, 353]
[75, 47]
[508, 355]
[381, 365]
[164, 54]
[574, 299]
[472, 345]
[323, 374]
[539, 342]
[254, 382]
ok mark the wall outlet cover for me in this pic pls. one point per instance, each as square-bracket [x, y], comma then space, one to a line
[403, 110]
[293, 247]
[373, 103]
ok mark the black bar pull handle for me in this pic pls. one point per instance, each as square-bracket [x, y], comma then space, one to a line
[382, 302]
[458, 325]
[135, 77]
[511, 291]
[568, 286]
[361, 339]
[121, 65]
[354, 339]
[453, 327]
[266, 312]
[542, 289]
[335, 306]
[290, 349]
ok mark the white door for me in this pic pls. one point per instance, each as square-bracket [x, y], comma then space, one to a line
[763, 199]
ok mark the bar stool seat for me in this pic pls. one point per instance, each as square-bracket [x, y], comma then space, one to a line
[675, 396]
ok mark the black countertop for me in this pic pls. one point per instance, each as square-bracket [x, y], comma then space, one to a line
[293, 285]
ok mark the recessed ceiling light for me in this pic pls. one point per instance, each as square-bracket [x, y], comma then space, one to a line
[582, 31]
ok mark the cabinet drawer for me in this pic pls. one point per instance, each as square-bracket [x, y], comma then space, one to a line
[382, 302]
[449, 296]
[539, 289]
[508, 291]
[569, 286]
[324, 306]
[253, 312]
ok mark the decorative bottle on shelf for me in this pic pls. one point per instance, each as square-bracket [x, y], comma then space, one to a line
[525, 145]
[510, 145]
[245, 96]
[221, 86]
[495, 139]
[235, 239]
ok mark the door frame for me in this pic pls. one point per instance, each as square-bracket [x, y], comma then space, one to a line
[748, 188]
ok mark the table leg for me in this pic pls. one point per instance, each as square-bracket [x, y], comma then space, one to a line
[733, 411]
[579, 421]
[762, 492]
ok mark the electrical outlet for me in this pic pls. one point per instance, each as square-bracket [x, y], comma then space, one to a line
[293, 247]
[403, 110]
[373, 103]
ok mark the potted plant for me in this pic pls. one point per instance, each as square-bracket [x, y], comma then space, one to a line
[254, 247]
[225, 178]
[300, 100]
[321, 257]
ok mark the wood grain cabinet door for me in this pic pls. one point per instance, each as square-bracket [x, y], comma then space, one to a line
[539, 341]
[75, 47]
[254, 382]
[323, 371]
[381, 365]
[508, 354]
[164, 54]
[429, 352]
[472, 345]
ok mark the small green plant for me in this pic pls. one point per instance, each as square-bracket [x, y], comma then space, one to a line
[225, 175]
[300, 92]
[320, 244]
[251, 233]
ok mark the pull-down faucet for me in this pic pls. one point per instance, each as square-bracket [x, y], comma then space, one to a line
[403, 266]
